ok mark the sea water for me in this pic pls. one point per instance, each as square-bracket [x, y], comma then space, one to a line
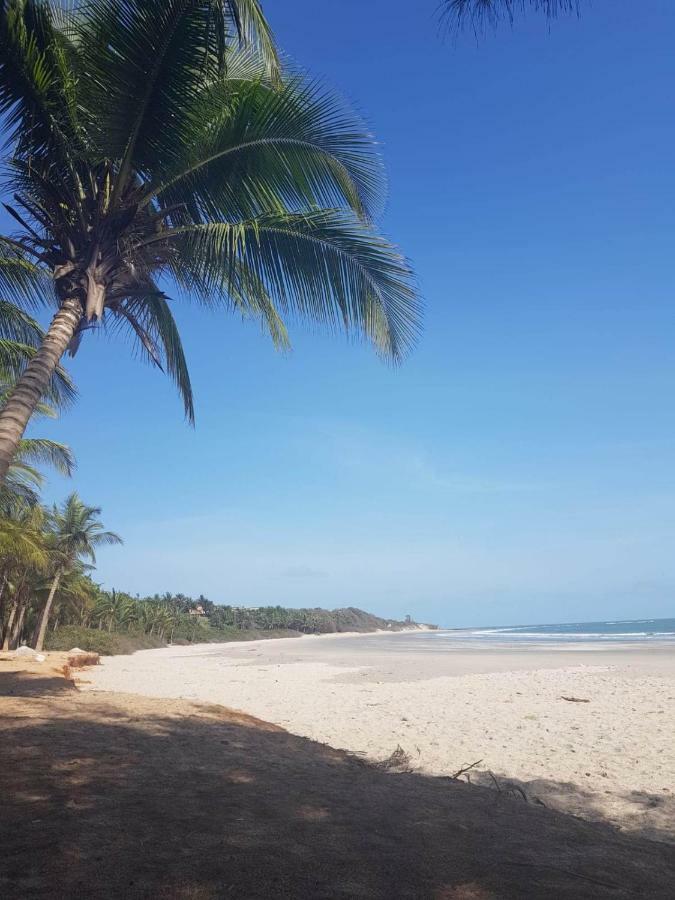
[625, 631]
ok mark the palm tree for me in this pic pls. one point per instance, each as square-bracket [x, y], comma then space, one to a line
[157, 144]
[24, 479]
[77, 532]
[75, 600]
[477, 14]
[24, 559]
[20, 339]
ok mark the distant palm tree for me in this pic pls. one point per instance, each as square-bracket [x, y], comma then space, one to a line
[476, 14]
[24, 558]
[77, 532]
[158, 142]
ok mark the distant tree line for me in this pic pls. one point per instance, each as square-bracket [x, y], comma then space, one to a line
[180, 618]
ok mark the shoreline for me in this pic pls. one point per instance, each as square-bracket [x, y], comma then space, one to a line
[464, 647]
[460, 644]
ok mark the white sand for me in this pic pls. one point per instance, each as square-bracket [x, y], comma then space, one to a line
[612, 758]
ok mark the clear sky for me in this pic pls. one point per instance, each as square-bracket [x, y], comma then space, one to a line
[521, 466]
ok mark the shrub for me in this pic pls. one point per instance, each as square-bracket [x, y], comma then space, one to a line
[103, 642]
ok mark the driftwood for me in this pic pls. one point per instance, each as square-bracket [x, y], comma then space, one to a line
[575, 699]
[512, 789]
[465, 769]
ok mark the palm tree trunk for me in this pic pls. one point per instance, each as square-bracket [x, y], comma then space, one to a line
[3, 585]
[10, 624]
[16, 605]
[15, 636]
[39, 644]
[35, 380]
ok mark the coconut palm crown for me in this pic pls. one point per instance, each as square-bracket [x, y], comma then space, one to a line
[76, 532]
[157, 149]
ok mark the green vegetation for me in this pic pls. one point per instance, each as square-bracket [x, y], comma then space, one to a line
[20, 338]
[44, 557]
[95, 641]
[110, 622]
[162, 142]
[48, 598]
[74, 533]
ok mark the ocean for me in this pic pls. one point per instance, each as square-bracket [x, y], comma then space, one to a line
[642, 631]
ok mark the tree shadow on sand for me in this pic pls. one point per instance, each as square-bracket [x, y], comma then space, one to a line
[16, 684]
[641, 813]
[113, 796]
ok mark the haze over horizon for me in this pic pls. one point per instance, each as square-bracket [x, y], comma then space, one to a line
[518, 468]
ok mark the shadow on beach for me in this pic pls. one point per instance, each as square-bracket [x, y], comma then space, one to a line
[640, 813]
[111, 795]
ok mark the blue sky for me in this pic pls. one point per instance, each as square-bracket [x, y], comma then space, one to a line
[520, 466]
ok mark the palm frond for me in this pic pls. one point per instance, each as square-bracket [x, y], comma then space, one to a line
[24, 481]
[243, 290]
[253, 148]
[479, 14]
[21, 281]
[21, 529]
[150, 319]
[147, 61]
[17, 325]
[37, 81]
[15, 356]
[41, 451]
[325, 266]
[105, 538]
[255, 33]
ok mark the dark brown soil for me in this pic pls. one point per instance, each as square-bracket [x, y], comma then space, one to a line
[114, 796]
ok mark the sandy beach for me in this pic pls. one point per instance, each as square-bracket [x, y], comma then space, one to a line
[611, 758]
[109, 795]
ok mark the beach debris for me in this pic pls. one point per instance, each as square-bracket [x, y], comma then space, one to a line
[514, 789]
[466, 769]
[398, 762]
[575, 699]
